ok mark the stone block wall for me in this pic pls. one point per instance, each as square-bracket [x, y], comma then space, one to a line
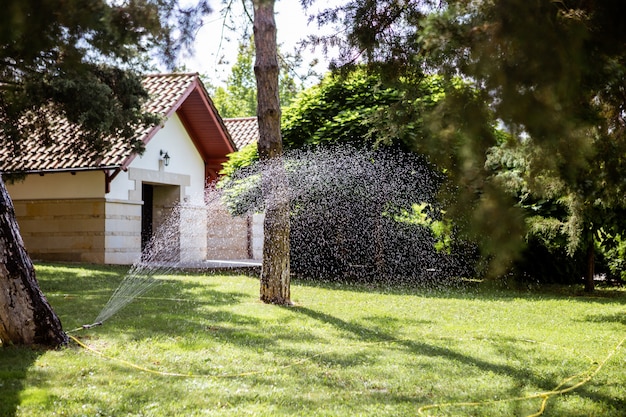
[257, 235]
[227, 236]
[109, 232]
[62, 230]
[123, 232]
[193, 233]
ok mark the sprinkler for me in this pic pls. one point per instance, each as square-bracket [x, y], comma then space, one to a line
[89, 326]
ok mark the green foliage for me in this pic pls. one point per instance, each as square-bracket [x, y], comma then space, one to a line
[244, 157]
[551, 68]
[419, 215]
[241, 193]
[226, 105]
[558, 223]
[349, 108]
[359, 215]
[335, 111]
[239, 97]
[338, 110]
[83, 63]
[447, 120]
[550, 73]
[613, 251]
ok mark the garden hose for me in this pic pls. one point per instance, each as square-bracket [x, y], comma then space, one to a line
[586, 376]
[189, 375]
[545, 396]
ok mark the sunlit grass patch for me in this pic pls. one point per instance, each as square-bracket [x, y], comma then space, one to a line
[200, 344]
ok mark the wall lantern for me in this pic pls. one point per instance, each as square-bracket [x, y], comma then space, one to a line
[164, 157]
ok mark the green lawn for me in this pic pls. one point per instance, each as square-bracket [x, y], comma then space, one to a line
[341, 351]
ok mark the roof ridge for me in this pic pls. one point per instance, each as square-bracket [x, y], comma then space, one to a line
[170, 74]
[240, 118]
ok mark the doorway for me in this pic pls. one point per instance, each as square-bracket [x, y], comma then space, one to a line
[147, 217]
[159, 218]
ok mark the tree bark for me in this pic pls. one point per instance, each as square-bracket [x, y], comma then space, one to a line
[275, 271]
[591, 266]
[26, 318]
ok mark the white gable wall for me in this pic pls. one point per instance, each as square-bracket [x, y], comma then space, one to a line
[184, 160]
[124, 201]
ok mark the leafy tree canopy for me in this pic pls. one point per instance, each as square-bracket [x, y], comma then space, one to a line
[80, 59]
[552, 73]
[338, 110]
[344, 109]
[76, 59]
[238, 98]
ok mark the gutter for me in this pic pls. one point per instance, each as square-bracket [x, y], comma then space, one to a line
[110, 172]
[60, 170]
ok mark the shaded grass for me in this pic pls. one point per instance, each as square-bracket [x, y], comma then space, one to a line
[342, 350]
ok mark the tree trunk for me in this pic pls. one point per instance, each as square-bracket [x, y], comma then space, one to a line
[591, 265]
[26, 318]
[275, 274]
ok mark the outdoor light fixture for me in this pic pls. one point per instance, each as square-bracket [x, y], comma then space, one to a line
[164, 157]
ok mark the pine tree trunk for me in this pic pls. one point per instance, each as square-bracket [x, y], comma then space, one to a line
[275, 272]
[26, 318]
[591, 265]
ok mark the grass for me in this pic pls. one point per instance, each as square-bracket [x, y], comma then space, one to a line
[341, 351]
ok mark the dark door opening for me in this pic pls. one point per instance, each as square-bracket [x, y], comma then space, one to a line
[147, 195]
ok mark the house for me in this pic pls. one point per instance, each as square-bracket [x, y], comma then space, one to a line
[72, 209]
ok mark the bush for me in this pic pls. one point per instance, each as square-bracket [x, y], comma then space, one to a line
[549, 265]
[358, 214]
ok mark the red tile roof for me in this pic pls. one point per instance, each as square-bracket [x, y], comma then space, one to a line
[243, 130]
[183, 94]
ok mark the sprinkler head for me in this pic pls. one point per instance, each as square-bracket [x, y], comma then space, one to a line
[89, 326]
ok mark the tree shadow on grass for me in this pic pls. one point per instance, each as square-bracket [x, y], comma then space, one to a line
[15, 363]
[185, 308]
[617, 402]
[175, 308]
[606, 318]
[377, 335]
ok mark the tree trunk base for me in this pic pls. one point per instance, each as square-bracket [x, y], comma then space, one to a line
[591, 266]
[26, 318]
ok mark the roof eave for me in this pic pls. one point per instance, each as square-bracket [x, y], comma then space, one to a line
[61, 170]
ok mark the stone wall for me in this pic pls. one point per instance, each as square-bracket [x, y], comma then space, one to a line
[123, 232]
[234, 238]
[193, 232]
[109, 232]
[257, 235]
[227, 236]
[62, 230]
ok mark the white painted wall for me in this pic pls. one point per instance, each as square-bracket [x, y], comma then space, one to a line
[120, 187]
[184, 159]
